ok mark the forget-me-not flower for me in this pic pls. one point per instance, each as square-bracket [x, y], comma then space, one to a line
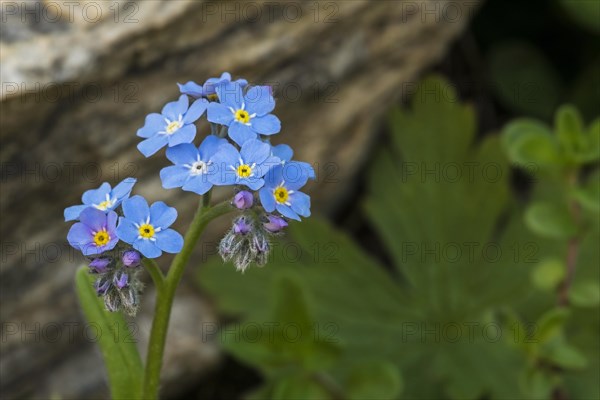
[147, 228]
[247, 115]
[208, 89]
[95, 233]
[281, 190]
[193, 167]
[285, 154]
[175, 125]
[244, 167]
[105, 198]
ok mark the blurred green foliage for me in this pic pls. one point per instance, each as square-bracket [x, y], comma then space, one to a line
[117, 344]
[468, 308]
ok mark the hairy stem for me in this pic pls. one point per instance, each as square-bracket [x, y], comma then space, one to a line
[166, 293]
[155, 273]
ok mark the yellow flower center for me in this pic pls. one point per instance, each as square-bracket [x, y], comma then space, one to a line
[242, 116]
[212, 97]
[146, 231]
[281, 195]
[104, 205]
[244, 171]
[173, 127]
[101, 238]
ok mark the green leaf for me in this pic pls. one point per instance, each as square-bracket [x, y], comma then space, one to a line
[585, 294]
[589, 194]
[122, 360]
[524, 80]
[548, 274]
[550, 220]
[565, 356]
[551, 324]
[376, 380]
[569, 129]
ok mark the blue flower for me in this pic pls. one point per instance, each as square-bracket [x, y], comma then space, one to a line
[281, 190]
[146, 228]
[208, 89]
[104, 198]
[246, 115]
[95, 233]
[246, 167]
[193, 165]
[285, 154]
[175, 125]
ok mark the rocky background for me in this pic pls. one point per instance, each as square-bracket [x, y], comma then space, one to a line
[78, 79]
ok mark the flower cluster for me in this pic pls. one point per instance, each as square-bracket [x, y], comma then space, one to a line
[114, 231]
[236, 153]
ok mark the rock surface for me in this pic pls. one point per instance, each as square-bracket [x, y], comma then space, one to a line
[78, 79]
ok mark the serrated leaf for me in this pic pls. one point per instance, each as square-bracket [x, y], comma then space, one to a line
[375, 380]
[550, 220]
[121, 357]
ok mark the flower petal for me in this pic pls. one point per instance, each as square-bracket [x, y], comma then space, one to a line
[185, 134]
[185, 153]
[123, 189]
[72, 213]
[230, 95]
[300, 203]
[169, 241]
[174, 176]
[259, 100]
[219, 114]
[283, 152]
[127, 231]
[136, 209]
[96, 196]
[241, 133]
[191, 88]
[174, 109]
[209, 147]
[287, 211]
[198, 184]
[154, 123]
[196, 110]
[79, 235]
[147, 247]
[93, 218]
[255, 151]
[266, 125]
[152, 145]
[267, 199]
[161, 215]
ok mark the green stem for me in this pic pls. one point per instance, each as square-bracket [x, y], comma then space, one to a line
[155, 273]
[166, 293]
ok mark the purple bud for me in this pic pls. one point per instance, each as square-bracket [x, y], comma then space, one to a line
[99, 265]
[275, 223]
[243, 200]
[241, 227]
[121, 280]
[131, 258]
[101, 286]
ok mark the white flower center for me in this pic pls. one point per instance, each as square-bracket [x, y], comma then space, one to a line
[198, 168]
